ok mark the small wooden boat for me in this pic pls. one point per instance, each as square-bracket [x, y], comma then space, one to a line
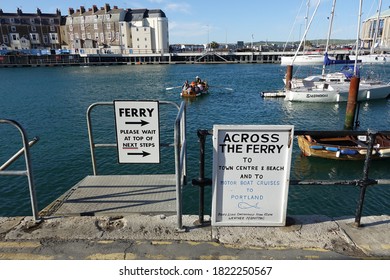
[195, 89]
[345, 147]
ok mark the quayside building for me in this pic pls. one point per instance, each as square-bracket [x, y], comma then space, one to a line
[95, 30]
[376, 31]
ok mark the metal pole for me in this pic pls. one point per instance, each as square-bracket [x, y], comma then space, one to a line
[18, 154]
[201, 182]
[365, 181]
[202, 141]
[29, 171]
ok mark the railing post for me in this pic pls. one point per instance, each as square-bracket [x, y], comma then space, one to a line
[365, 182]
[28, 172]
[201, 182]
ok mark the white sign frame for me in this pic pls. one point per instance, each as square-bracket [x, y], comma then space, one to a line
[251, 173]
[137, 126]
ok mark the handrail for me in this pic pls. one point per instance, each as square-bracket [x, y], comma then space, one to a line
[28, 172]
[180, 147]
[362, 183]
[180, 160]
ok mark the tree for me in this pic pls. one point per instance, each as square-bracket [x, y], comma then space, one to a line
[214, 45]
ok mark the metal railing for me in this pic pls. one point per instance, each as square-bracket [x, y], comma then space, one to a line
[180, 147]
[362, 183]
[28, 172]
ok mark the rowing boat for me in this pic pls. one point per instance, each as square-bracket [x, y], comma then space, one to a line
[344, 148]
[195, 89]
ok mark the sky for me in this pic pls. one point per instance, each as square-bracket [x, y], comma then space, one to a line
[227, 21]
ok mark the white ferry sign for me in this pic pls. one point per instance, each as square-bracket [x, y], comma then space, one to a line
[251, 170]
[137, 131]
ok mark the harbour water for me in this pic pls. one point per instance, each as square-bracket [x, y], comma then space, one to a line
[51, 103]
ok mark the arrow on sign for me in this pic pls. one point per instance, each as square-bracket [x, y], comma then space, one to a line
[142, 122]
[143, 154]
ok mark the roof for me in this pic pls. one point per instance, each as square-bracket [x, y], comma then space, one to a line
[383, 14]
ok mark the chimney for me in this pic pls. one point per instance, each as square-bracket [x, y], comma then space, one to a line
[39, 12]
[70, 11]
[107, 8]
[94, 8]
[115, 7]
[19, 11]
[82, 9]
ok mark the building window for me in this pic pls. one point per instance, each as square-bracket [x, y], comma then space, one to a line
[34, 37]
[45, 39]
[71, 28]
[33, 28]
[11, 20]
[83, 36]
[52, 28]
[13, 28]
[53, 37]
[89, 36]
[32, 21]
[5, 39]
[101, 37]
[95, 26]
[14, 36]
[108, 25]
[82, 27]
[51, 21]
[96, 36]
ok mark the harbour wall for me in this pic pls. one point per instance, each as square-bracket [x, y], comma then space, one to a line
[226, 57]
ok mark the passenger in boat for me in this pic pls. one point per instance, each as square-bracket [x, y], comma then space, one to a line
[200, 86]
[186, 85]
[196, 89]
[190, 89]
[198, 80]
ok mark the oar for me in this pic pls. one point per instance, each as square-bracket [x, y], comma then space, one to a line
[169, 88]
[223, 87]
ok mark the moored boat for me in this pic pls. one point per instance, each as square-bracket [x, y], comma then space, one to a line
[344, 148]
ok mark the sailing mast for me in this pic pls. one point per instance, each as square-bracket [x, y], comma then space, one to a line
[304, 35]
[329, 32]
[306, 23]
[376, 28]
[357, 38]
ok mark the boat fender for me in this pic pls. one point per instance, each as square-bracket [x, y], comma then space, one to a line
[349, 152]
[364, 152]
[331, 149]
[384, 152]
[338, 154]
[316, 147]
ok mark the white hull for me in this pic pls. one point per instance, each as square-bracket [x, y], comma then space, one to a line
[338, 93]
[373, 58]
[311, 59]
